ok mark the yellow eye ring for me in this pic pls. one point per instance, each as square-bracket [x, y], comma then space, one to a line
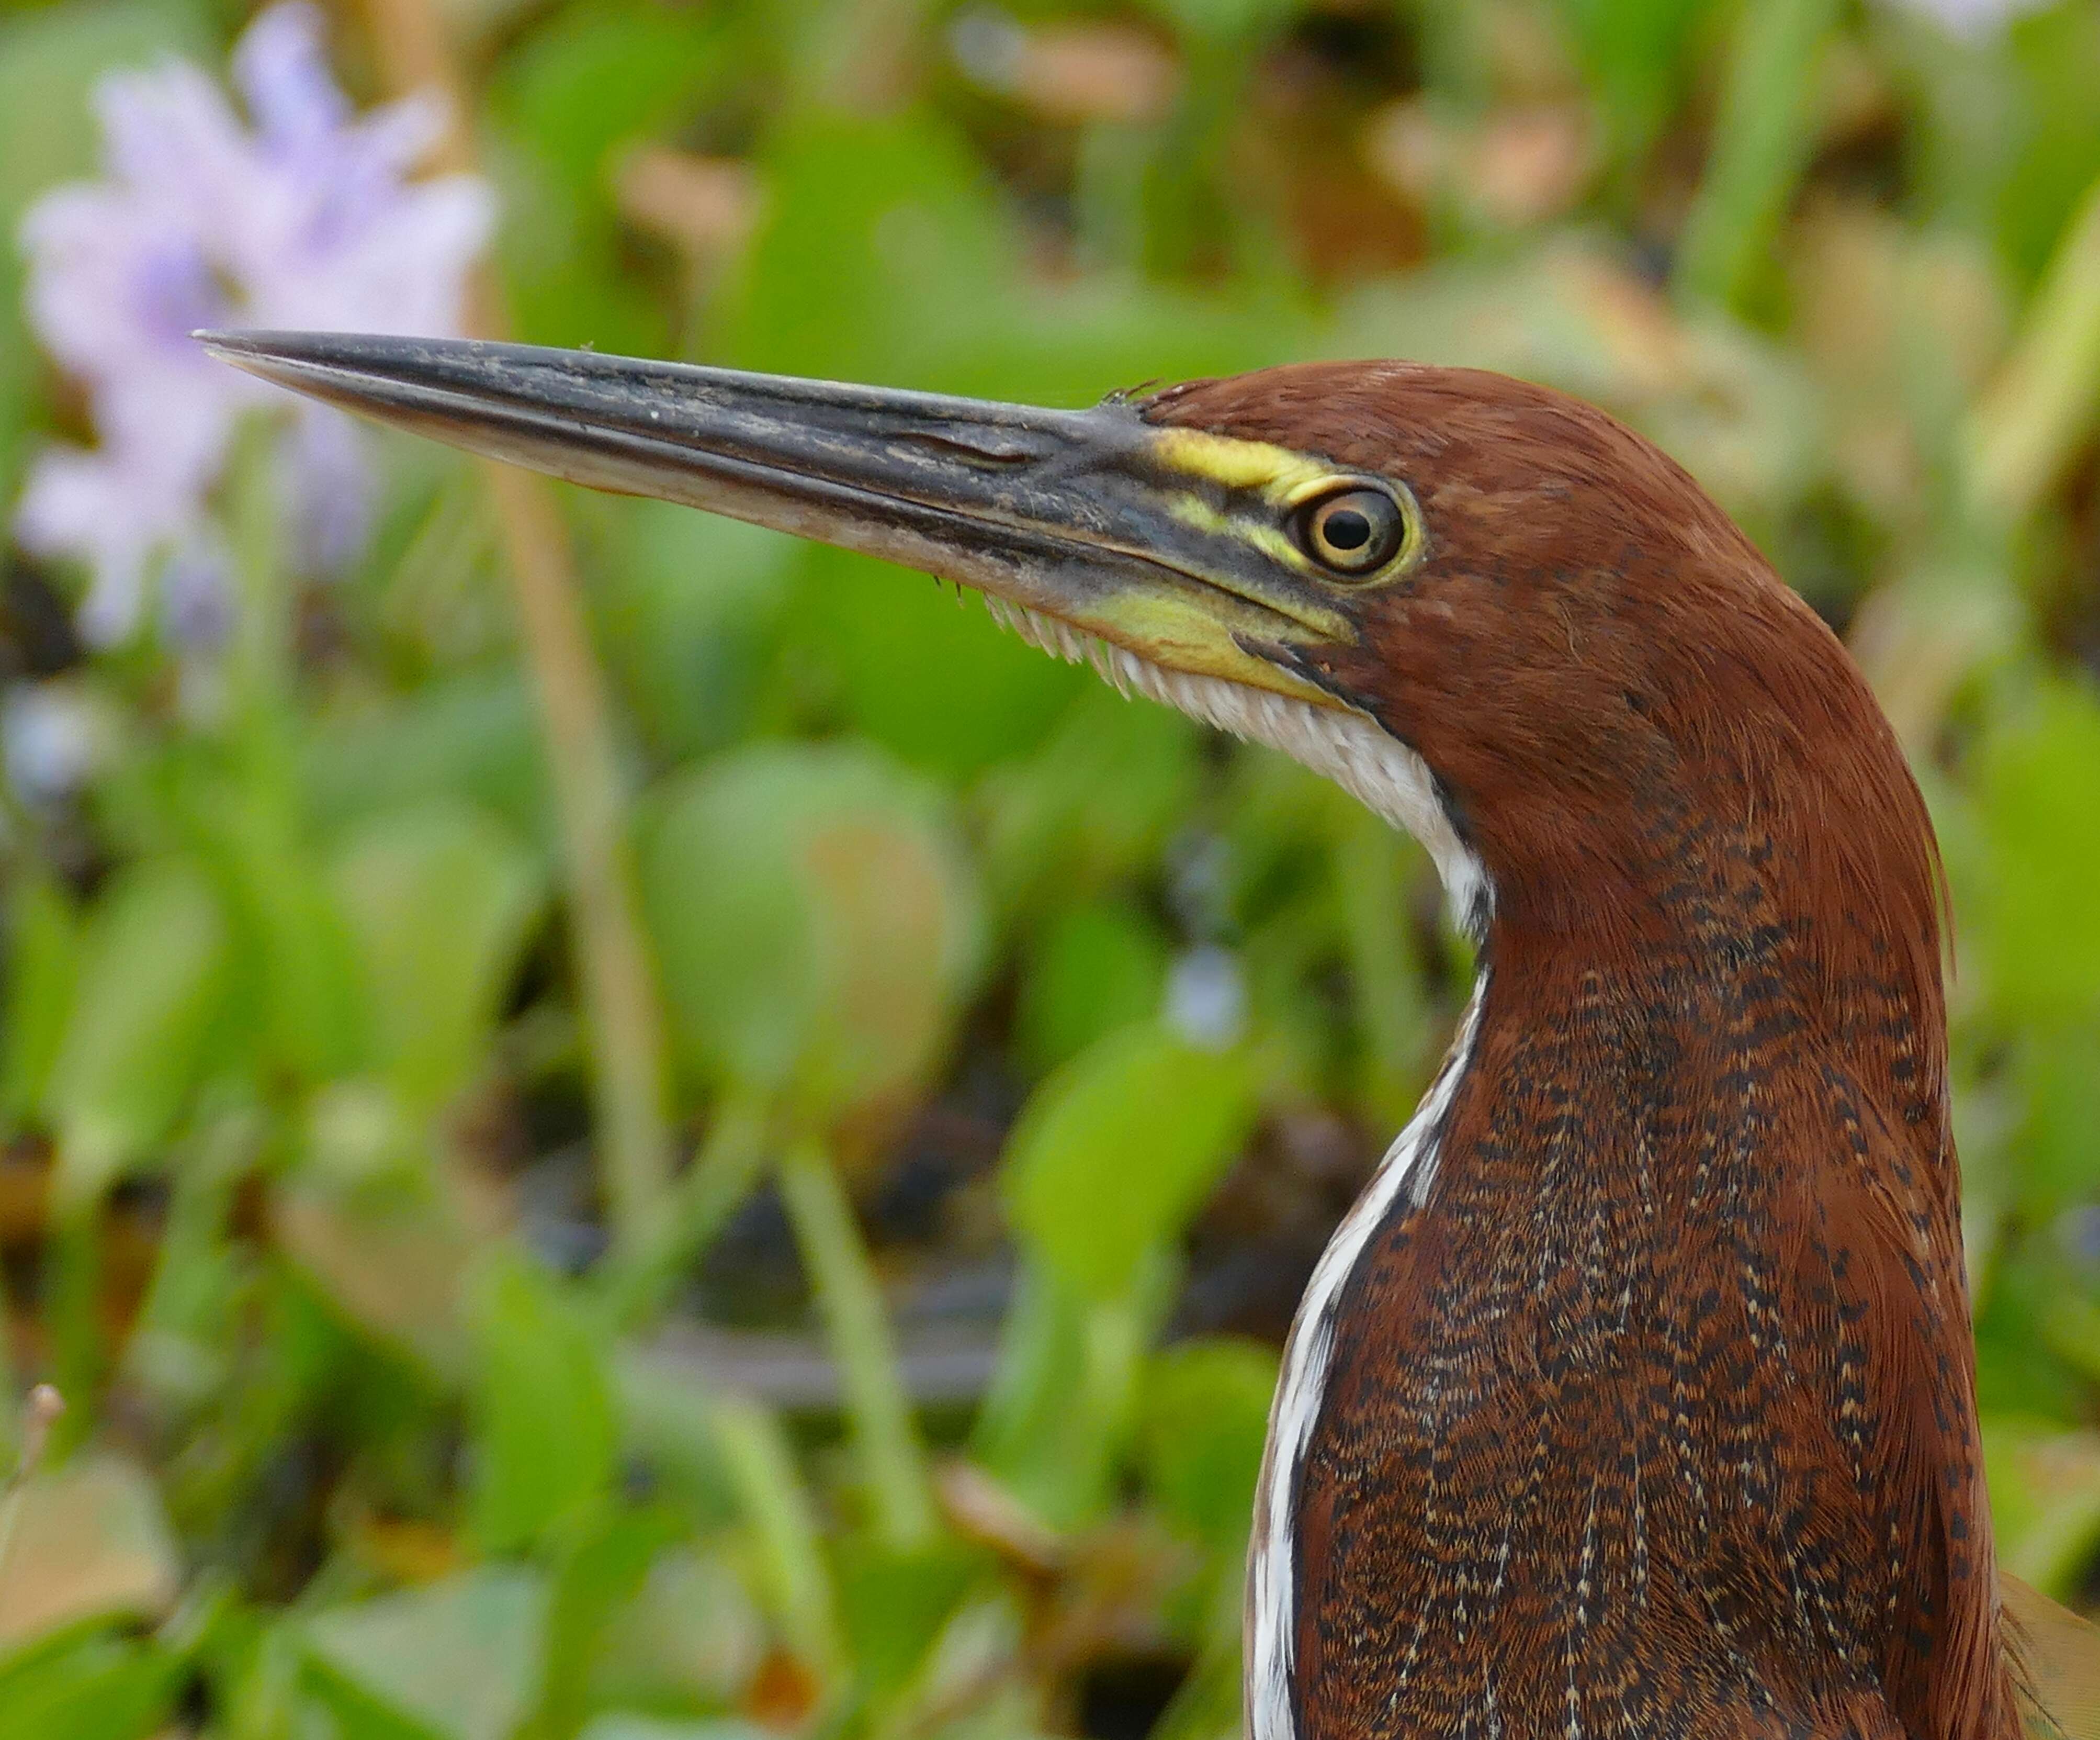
[1354, 532]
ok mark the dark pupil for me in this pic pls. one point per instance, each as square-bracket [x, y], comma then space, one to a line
[1347, 529]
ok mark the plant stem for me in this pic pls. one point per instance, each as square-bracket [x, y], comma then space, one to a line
[1762, 142]
[892, 1460]
[72, 1265]
[40, 1411]
[628, 1051]
[777, 1508]
[620, 991]
[2043, 404]
[720, 1177]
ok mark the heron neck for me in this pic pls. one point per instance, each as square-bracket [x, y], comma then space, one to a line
[1644, 1404]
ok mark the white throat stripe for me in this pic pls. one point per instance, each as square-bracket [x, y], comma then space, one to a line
[1403, 1178]
[1351, 749]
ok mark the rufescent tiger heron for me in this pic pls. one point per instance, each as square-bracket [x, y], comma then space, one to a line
[1636, 1397]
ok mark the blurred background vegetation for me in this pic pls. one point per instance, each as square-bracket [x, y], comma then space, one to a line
[617, 1126]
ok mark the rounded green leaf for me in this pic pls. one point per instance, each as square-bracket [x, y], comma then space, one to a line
[1206, 1419]
[816, 924]
[2038, 796]
[546, 1443]
[456, 1660]
[1115, 1151]
[1093, 969]
[440, 899]
[152, 983]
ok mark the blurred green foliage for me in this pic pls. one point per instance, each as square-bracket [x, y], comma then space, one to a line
[935, 1405]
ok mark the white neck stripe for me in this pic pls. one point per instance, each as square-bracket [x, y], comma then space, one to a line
[1404, 1177]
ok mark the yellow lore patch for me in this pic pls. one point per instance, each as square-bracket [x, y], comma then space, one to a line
[1275, 471]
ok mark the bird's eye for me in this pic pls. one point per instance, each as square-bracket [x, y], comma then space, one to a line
[1353, 532]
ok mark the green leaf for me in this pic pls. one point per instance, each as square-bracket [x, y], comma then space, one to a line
[392, 1262]
[687, 1636]
[151, 985]
[628, 1727]
[1054, 1424]
[2037, 791]
[2045, 1502]
[1205, 1479]
[893, 1605]
[1762, 139]
[689, 607]
[1632, 52]
[258, 1682]
[439, 900]
[1113, 1153]
[816, 925]
[455, 1660]
[570, 94]
[1094, 969]
[929, 677]
[880, 234]
[545, 1449]
[597, 1573]
[474, 737]
[596, 75]
[2023, 1336]
[2051, 151]
[101, 1688]
[42, 963]
[667, 1422]
[1049, 834]
[247, 825]
[186, 1339]
[2053, 1068]
[1108, 1159]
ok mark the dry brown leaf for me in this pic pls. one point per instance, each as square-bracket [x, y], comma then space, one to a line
[89, 1541]
[1527, 165]
[1069, 74]
[394, 1266]
[704, 207]
[1096, 72]
[1518, 166]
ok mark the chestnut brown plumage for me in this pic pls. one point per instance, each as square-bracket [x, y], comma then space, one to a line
[1636, 1397]
[1678, 1345]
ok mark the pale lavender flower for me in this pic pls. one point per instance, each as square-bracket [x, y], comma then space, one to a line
[54, 737]
[305, 219]
[1971, 20]
[1207, 998]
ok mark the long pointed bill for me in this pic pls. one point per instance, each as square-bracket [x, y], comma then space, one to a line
[1096, 520]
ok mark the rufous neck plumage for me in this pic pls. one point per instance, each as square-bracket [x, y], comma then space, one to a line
[1649, 1409]
[1649, 1404]
[1637, 1397]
